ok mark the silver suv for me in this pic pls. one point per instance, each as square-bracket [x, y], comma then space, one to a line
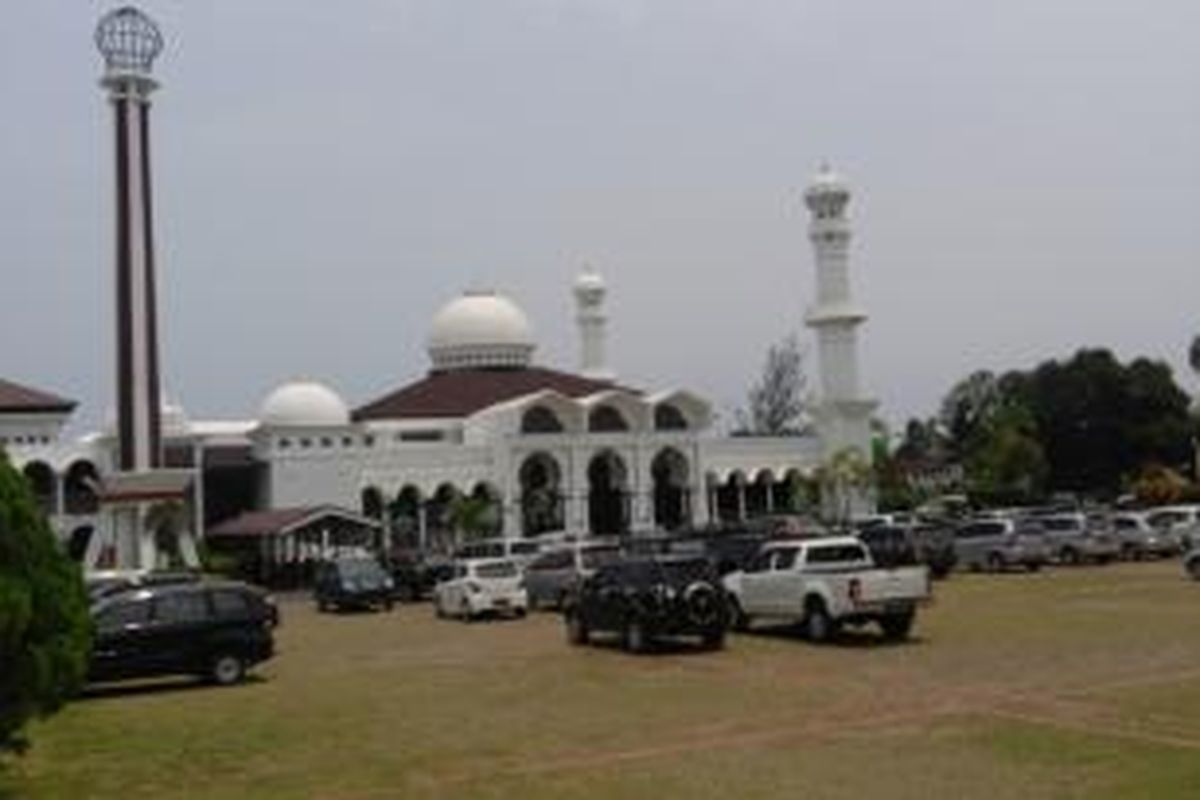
[1075, 539]
[1139, 539]
[997, 544]
[550, 577]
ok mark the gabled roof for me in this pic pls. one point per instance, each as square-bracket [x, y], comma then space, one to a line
[18, 399]
[461, 393]
[280, 521]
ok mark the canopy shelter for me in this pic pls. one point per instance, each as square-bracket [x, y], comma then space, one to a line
[279, 546]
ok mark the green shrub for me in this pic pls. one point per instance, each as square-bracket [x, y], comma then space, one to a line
[45, 630]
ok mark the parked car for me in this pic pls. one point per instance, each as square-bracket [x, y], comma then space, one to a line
[1182, 521]
[481, 586]
[1191, 563]
[215, 629]
[644, 599]
[1139, 539]
[550, 577]
[353, 582]
[1000, 543]
[825, 584]
[1074, 538]
[902, 545]
[103, 583]
[415, 573]
[519, 551]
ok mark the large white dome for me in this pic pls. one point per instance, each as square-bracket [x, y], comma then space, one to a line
[303, 404]
[480, 329]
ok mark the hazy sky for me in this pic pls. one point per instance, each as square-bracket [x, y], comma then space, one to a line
[1026, 178]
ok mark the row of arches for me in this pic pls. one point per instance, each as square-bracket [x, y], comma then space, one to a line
[75, 491]
[607, 501]
[542, 418]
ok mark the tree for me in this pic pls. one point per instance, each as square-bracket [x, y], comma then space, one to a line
[45, 630]
[778, 403]
[472, 516]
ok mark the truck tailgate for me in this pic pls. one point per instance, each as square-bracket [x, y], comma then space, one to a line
[883, 586]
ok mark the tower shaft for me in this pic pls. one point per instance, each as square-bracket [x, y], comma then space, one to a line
[139, 445]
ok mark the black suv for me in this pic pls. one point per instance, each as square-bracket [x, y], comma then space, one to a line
[415, 573]
[357, 582]
[647, 598]
[901, 546]
[214, 629]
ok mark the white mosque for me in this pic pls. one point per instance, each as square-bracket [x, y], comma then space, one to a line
[547, 450]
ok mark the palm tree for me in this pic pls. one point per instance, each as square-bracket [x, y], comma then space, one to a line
[845, 474]
[471, 516]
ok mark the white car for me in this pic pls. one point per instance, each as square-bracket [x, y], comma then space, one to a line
[481, 586]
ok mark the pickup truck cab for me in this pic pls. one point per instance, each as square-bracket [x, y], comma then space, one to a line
[825, 584]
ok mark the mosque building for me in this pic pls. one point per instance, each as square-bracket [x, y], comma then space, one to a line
[546, 450]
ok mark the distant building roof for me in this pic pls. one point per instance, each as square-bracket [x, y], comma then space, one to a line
[18, 399]
[460, 393]
[279, 521]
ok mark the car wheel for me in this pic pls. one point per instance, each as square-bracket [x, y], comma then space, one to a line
[818, 625]
[636, 640]
[227, 669]
[577, 632]
[897, 627]
[1033, 566]
[1193, 568]
[464, 612]
[714, 640]
[519, 613]
[995, 563]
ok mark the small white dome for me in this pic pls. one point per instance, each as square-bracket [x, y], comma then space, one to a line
[303, 404]
[480, 329]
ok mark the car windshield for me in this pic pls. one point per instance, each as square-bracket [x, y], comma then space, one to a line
[596, 557]
[361, 570]
[496, 569]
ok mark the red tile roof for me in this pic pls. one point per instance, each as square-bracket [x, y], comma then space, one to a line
[18, 399]
[282, 520]
[460, 393]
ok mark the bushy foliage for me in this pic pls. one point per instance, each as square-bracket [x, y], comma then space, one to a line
[45, 630]
[1088, 424]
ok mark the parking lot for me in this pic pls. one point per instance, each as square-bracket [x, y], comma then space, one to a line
[1067, 683]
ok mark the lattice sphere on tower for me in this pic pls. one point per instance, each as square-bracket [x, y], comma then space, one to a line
[129, 40]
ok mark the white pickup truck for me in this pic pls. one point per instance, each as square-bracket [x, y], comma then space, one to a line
[824, 584]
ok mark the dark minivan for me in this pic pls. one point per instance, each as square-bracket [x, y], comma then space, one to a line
[215, 629]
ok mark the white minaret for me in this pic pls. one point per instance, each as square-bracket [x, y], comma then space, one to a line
[589, 299]
[843, 415]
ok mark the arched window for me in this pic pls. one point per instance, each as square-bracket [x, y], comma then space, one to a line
[79, 489]
[540, 419]
[669, 418]
[606, 419]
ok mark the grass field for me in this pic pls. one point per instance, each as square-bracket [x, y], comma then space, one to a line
[1079, 683]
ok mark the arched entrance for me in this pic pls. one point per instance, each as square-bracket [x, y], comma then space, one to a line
[43, 483]
[79, 488]
[372, 503]
[608, 494]
[672, 499]
[404, 518]
[541, 495]
[439, 518]
[731, 499]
